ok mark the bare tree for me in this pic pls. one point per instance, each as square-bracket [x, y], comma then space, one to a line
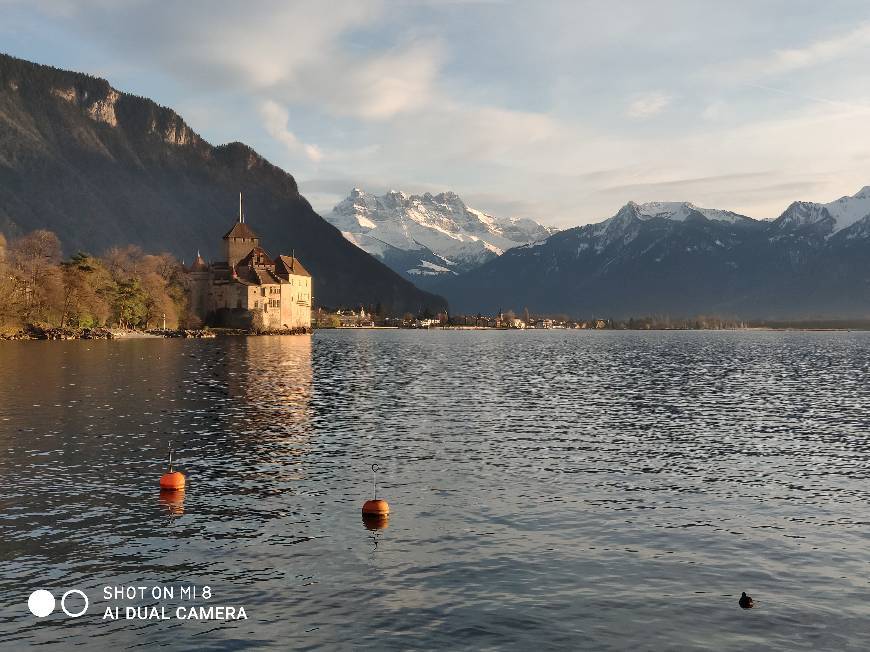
[35, 259]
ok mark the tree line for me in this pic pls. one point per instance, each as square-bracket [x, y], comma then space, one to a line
[124, 288]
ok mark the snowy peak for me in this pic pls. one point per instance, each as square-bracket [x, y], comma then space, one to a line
[803, 214]
[680, 211]
[631, 218]
[832, 217]
[846, 211]
[449, 236]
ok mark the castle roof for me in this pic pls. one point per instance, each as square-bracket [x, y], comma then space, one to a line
[247, 275]
[266, 276]
[240, 230]
[288, 265]
[256, 256]
[199, 265]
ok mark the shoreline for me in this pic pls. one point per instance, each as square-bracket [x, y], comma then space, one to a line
[65, 334]
[119, 334]
[620, 330]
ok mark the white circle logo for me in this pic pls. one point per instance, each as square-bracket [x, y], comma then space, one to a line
[72, 614]
[41, 603]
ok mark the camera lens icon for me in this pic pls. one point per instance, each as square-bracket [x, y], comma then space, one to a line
[41, 603]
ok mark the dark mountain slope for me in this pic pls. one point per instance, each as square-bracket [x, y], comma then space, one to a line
[103, 168]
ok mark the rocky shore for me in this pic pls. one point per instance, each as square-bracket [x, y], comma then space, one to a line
[182, 332]
[274, 331]
[34, 332]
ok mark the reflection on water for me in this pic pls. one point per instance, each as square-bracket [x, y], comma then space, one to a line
[173, 501]
[547, 489]
[376, 521]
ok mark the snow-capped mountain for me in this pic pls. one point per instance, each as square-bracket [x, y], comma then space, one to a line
[425, 236]
[680, 211]
[829, 218]
[674, 258]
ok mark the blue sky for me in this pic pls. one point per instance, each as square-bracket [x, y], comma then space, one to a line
[560, 111]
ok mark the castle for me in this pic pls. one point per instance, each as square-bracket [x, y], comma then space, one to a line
[250, 289]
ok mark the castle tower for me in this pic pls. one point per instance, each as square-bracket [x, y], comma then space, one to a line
[239, 240]
[238, 243]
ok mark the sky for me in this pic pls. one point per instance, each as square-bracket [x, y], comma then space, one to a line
[558, 111]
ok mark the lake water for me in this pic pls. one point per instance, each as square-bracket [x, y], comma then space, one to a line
[573, 490]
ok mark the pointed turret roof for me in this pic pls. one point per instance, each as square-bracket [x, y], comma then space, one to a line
[199, 265]
[240, 230]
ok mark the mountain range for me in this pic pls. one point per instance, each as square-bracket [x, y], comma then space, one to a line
[674, 258]
[101, 168]
[426, 237]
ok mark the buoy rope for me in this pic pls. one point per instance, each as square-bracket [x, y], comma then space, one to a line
[170, 458]
[375, 467]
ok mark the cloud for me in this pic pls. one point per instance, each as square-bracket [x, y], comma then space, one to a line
[782, 61]
[376, 87]
[714, 111]
[275, 120]
[812, 98]
[647, 105]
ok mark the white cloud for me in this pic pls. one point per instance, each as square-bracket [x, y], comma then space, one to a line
[275, 120]
[782, 61]
[647, 105]
[376, 87]
[714, 111]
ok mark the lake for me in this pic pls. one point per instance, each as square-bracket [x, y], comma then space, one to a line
[549, 489]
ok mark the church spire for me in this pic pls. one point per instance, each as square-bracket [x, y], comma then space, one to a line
[241, 215]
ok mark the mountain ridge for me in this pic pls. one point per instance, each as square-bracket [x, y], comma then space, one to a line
[426, 235]
[674, 258]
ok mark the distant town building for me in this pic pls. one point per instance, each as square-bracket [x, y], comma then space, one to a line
[250, 289]
[349, 318]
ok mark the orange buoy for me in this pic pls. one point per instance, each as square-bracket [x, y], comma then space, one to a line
[375, 507]
[172, 480]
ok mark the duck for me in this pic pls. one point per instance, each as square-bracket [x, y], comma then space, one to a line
[745, 601]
